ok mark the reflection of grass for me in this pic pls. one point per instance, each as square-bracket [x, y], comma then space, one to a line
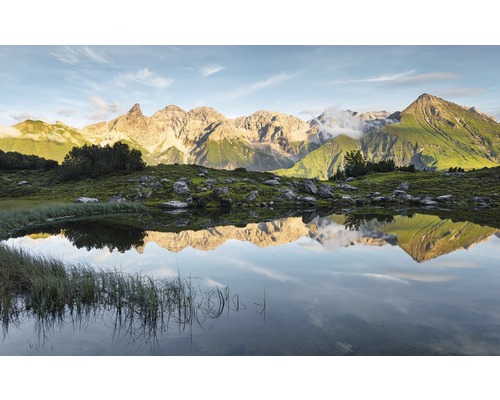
[50, 291]
[16, 219]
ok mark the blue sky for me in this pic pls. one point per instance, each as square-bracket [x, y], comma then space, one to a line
[80, 85]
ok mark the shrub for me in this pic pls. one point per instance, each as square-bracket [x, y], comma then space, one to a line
[94, 161]
[14, 160]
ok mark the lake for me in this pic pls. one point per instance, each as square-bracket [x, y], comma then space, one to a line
[297, 285]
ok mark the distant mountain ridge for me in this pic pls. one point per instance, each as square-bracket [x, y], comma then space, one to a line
[430, 133]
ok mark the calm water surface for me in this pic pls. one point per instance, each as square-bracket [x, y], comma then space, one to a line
[331, 286]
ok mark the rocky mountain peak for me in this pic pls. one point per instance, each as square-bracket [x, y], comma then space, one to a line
[427, 97]
[206, 113]
[136, 109]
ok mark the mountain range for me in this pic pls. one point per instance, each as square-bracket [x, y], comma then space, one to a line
[431, 133]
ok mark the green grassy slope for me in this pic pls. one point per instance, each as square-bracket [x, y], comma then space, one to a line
[438, 134]
[50, 141]
[323, 161]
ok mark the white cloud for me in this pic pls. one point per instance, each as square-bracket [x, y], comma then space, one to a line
[408, 77]
[94, 55]
[9, 132]
[102, 109]
[145, 77]
[267, 83]
[334, 122]
[211, 69]
[385, 78]
[74, 55]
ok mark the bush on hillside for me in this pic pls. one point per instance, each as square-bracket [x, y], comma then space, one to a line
[14, 160]
[355, 165]
[94, 161]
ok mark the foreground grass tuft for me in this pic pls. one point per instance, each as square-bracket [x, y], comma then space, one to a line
[50, 291]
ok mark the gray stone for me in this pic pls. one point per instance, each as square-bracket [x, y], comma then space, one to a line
[309, 187]
[309, 200]
[348, 199]
[164, 180]
[325, 191]
[116, 199]
[404, 186]
[288, 194]
[147, 179]
[24, 183]
[399, 193]
[272, 182]
[445, 198]
[226, 202]
[86, 200]
[230, 180]
[379, 199]
[345, 186]
[221, 191]
[181, 188]
[203, 189]
[174, 204]
[252, 196]
[350, 179]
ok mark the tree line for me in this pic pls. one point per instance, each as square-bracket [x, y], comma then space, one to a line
[88, 161]
[356, 165]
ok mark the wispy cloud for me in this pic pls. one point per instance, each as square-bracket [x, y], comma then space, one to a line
[386, 78]
[22, 116]
[102, 109]
[74, 55]
[145, 77]
[67, 112]
[406, 78]
[211, 69]
[461, 91]
[9, 132]
[264, 84]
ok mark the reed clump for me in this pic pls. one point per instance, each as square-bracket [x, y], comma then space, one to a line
[51, 291]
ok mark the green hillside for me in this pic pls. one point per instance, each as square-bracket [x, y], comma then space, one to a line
[50, 141]
[323, 161]
[434, 133]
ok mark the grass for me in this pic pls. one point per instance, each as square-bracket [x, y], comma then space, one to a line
[50, 291]
[12, 220]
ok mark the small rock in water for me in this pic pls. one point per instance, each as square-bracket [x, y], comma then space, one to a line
[86, 200]
[174, 204]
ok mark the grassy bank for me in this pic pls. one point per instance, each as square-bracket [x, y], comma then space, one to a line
[19, 218]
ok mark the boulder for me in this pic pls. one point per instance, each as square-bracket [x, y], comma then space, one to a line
[252, 196]
[325, 191]
[86, 200]
[181, 188]
[174, 204]
[345, 186]
[350, 179]
[147, 179]
[404, 186]
[272, 182]
[24, 183]
[309, 200]
[220, 191]
[445, 198]
[348, 199]
[309, 187]
[116, 199]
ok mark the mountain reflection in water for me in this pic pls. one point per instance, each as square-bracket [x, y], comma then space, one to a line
[422, 236]
[337, 284]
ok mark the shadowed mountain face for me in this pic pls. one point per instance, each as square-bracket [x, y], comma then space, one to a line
[430, 133]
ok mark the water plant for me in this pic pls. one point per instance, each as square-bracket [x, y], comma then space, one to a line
[51, 292]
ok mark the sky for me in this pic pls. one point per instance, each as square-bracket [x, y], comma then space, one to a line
[81, 85]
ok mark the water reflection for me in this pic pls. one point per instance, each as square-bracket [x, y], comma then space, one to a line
[311, 284]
